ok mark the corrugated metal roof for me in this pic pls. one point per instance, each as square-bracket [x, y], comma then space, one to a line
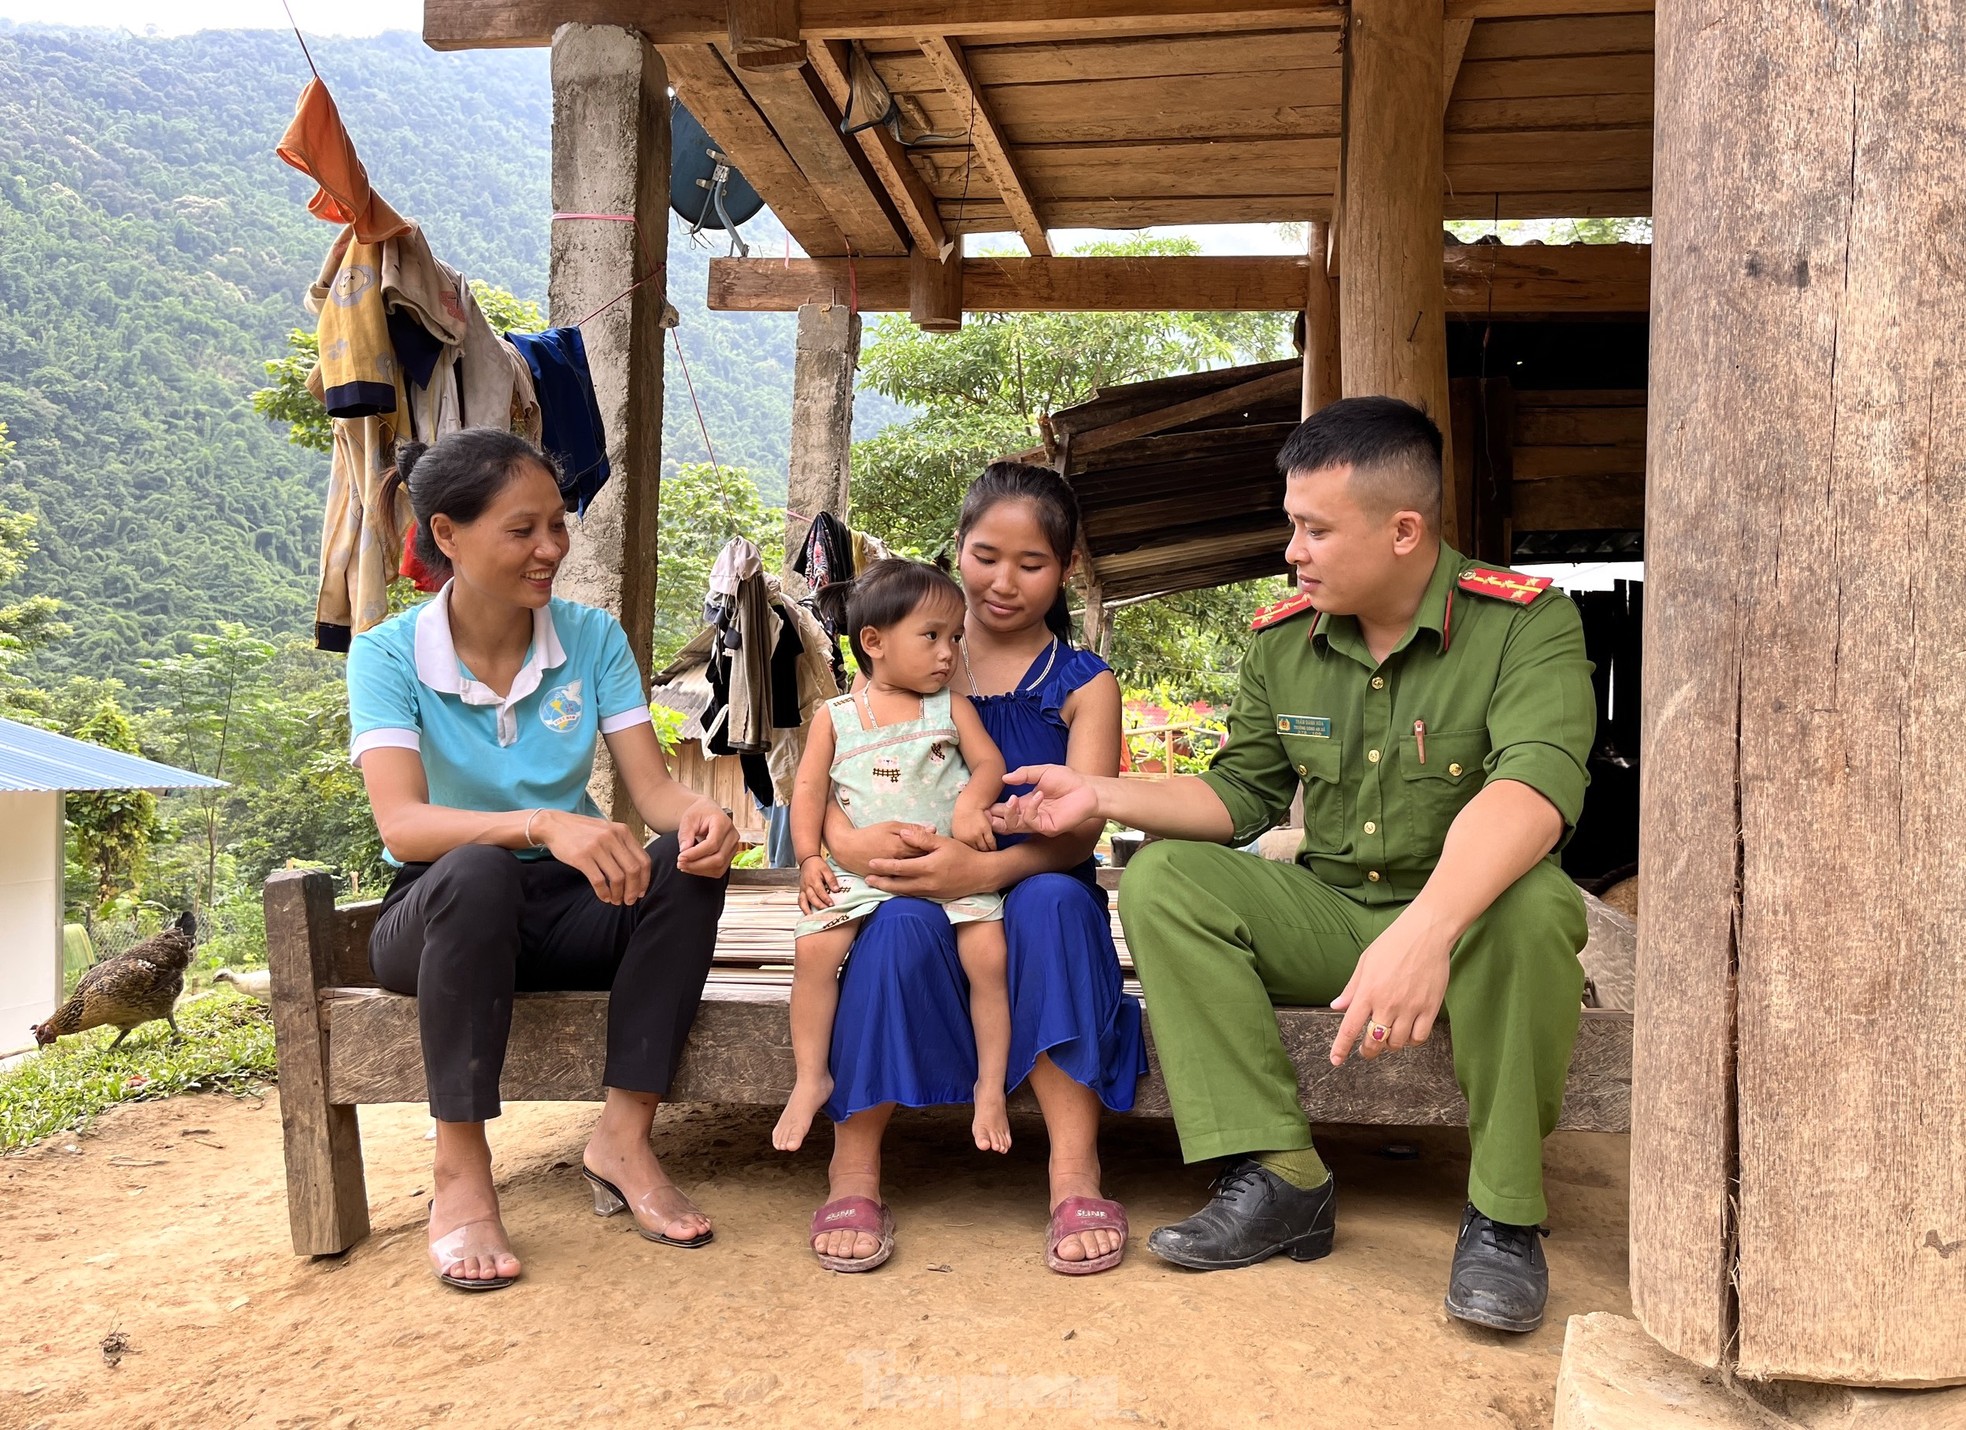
[32, 759]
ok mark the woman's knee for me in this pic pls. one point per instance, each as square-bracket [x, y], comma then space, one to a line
[482, 869]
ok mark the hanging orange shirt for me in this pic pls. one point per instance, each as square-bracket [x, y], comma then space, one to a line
[316, 144]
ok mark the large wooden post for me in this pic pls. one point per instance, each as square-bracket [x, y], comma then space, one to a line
[611, 156]
[828, 355]
[1322, 383]
[1392, 304]
[1799, 1121]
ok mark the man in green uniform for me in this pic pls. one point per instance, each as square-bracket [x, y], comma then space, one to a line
[1437, 716]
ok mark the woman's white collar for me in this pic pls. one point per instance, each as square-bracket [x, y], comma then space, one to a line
[438, 667]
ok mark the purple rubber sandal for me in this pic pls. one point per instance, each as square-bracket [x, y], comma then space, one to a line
[1077, 1214]
[854, 1214]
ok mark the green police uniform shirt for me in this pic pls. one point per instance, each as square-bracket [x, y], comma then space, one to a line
[1490, 682]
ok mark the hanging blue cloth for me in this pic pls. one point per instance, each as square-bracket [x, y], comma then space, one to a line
[570, 415]
[903, 1032]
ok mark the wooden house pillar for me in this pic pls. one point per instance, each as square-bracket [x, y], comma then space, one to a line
[1392, 304]
[1798, 1189]
[1322, 383]
[611, 156]
[823, 368]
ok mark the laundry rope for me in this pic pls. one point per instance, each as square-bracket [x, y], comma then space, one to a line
[302, 38]
[701, 425]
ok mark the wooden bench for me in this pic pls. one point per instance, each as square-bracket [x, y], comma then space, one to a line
[342, 1042]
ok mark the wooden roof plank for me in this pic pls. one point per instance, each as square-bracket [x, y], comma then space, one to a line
[1262, 103]
[889, 161]
[1566, 35]
[725, 109]
[947, 58]
[1229, 399]
[807, 125]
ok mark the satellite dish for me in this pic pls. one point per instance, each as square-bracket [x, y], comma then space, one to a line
[704, 188]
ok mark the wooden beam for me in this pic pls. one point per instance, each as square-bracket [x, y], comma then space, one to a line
[1229, 399]
[935, 291]
[906, 188]
[1393, 309]
[808, 126]
[725, 109]
[947, 58]
[503, 24]
[764, 34]
[1322, 381]
[1454, 44]
[1479, 279]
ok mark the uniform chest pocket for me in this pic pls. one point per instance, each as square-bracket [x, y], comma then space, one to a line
[1318, 765]
[1451, 777]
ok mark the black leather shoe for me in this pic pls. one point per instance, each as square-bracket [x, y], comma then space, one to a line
[1500, 1278]
[1254, 1215]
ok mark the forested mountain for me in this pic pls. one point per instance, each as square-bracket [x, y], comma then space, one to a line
[154, 253]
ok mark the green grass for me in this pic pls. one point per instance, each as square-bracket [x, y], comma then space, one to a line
[227, 1047]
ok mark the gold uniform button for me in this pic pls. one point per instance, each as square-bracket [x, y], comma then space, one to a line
[1300, 770]
[1373, 876]
[1373, 756]
[1370, 827]
[1378, 682]
[1454, 770]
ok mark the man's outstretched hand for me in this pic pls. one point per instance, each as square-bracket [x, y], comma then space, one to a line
[1059, 801]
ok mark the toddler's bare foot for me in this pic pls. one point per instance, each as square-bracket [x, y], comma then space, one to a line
[992, 1124]
[808, 1096]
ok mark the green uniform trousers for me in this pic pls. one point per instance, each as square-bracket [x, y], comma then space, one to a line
[1220, 937]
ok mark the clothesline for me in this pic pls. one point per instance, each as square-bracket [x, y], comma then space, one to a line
[653, 269]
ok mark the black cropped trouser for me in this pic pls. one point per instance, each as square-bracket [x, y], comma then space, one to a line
[466, 932]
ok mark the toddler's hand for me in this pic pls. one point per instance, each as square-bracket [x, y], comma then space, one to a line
[817, 885]
[972, 827]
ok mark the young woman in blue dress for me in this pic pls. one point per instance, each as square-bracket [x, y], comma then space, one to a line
[902, 1034]
[474, 719]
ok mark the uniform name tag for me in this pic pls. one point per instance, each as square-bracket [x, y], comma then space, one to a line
[1318, 727]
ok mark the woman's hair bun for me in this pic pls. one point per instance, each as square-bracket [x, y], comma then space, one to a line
[407, 456]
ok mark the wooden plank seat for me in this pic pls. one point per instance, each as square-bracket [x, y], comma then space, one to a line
[343, 1042]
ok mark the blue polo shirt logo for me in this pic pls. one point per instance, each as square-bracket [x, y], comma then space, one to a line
[560, 710]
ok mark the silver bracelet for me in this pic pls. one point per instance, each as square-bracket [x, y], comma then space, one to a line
[531, 843]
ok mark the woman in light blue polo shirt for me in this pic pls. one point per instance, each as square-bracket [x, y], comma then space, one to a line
[474, 719]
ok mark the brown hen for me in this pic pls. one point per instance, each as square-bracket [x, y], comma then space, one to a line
[130, 989]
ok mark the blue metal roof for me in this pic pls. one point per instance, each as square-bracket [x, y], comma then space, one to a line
[32, 759]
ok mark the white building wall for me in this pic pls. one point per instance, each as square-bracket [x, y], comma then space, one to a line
[30, 913]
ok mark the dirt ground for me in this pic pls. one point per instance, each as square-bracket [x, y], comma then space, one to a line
[166, 1228]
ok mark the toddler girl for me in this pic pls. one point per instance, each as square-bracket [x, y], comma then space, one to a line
[899, 748]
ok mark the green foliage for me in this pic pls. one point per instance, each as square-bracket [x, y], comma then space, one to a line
[154, 253]
[981, 392]
[1556, 230]
[702, 508]
[1188, 643]
[109, 830]
[506, 313]
[1202, 729]
[217, 710]
[227, 1047]
[286, 399]
[30, 624]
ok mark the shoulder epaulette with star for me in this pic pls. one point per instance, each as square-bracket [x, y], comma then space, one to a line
[1278, 611]
[1503, 585]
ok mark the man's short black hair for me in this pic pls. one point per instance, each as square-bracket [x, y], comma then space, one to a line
[1392, 447]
